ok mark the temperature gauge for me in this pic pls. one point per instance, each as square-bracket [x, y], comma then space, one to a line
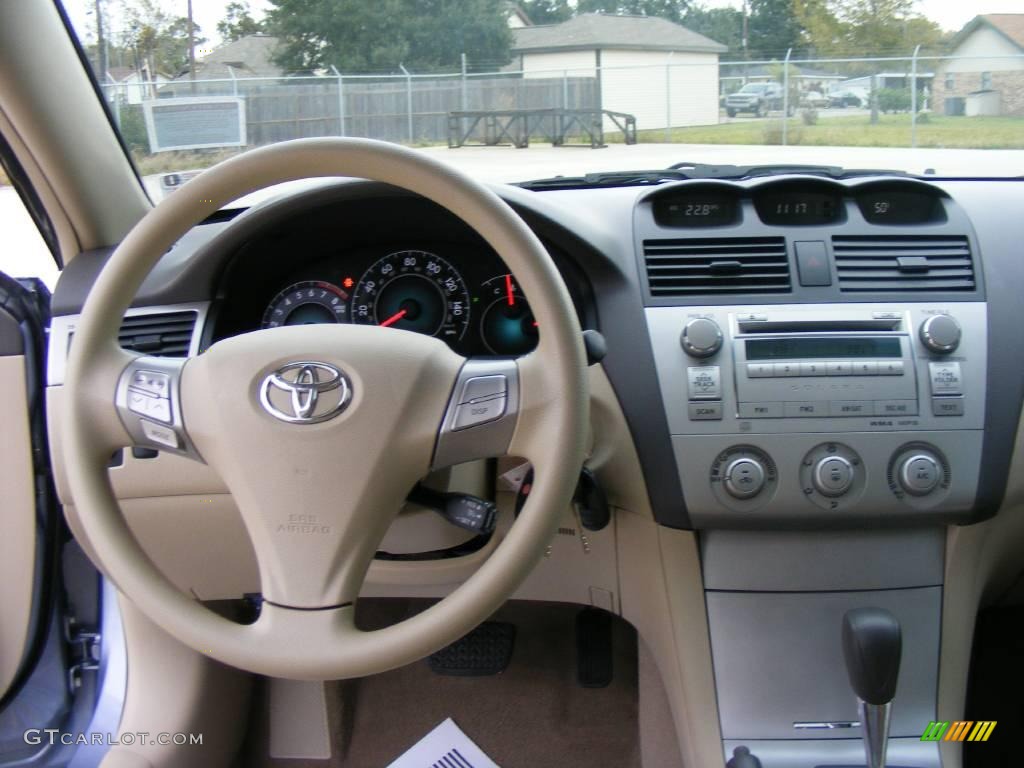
[507, 325]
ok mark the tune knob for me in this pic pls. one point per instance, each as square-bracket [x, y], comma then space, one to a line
[744, 477]
[941, 334]
[701, 337]
[919, 473]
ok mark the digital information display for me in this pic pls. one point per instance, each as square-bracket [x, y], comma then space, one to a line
[892, 205]
[799, 207]
[696, 209]
[822, 348]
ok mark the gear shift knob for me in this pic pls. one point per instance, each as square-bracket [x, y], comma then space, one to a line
[872, 646]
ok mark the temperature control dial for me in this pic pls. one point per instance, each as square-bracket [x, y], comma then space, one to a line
[941, 334]
[919, 474]
[743, 477]
[701, 337]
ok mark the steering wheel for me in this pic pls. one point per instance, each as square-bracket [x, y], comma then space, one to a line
[319, 432]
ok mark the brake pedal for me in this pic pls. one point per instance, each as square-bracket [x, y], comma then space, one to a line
[487, 650]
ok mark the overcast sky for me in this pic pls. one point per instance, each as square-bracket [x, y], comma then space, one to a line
[949, 14]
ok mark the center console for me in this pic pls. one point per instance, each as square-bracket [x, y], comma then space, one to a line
[822, 351]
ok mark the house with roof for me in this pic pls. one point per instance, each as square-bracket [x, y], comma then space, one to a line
[130, 86]
[991, 82]
[661, 72]
[251, 56]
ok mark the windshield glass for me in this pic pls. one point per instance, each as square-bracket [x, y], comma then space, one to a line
[932, 86]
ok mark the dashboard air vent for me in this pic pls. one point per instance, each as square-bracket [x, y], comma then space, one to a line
[714, 266]
[162, 334]
[905, 264]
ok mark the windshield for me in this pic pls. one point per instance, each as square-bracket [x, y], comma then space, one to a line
[932, 86]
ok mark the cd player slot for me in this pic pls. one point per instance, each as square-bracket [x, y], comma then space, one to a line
[817, 326]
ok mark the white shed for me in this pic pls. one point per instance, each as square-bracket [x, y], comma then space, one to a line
[661, 72]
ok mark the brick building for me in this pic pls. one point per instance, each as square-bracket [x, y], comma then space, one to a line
[990, 77]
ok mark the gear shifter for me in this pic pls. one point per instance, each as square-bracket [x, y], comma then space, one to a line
[872, 646]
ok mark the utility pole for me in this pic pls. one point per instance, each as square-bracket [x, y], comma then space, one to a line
[191, 48]
[101, 45]
[746, 36]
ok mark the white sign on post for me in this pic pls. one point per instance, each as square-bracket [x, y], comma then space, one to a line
[195, 122]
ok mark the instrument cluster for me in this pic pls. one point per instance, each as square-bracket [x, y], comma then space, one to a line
[460, 294]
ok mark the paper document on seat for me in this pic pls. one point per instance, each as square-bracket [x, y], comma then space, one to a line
[444, 747]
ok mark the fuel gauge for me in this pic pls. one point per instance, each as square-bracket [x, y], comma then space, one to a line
[507, 325]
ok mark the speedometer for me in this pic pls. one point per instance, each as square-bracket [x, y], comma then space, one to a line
[413, 291]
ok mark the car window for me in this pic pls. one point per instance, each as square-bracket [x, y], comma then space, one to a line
[932, 75]
[23, 252]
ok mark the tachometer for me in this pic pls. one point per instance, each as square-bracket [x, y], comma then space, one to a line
[305, 303]
[507, 325]
[414, 291]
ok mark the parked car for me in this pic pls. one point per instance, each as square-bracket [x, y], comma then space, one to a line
[848, 97]
[814, 100]
[757, 98]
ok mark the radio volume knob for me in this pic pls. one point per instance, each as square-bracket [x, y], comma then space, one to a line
[744, 477]
[941, 334]
[701, 337]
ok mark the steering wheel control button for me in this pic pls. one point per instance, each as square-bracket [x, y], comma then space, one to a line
[158, 408]
[305, 392]
[481, 412]
[483, 388]
[704, 382]
[701, 337]
[946, 378]
[709, 411]
[948, 406]
[744, 478]
[159, 434]
[833, 476]
[941, 334]
[151, 382]
[920, 474]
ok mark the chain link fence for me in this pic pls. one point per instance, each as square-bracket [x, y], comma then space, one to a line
[966, 101]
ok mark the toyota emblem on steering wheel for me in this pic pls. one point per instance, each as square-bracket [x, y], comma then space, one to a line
[305, 392]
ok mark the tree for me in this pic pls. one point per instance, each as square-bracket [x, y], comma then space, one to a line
[723, 25]
[547, 11]
[237, 22]
[773, 28]
[360, 36]
[159, 41]
[673, 10]
[864, 27]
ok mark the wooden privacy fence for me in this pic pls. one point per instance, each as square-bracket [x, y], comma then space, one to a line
[408, 110]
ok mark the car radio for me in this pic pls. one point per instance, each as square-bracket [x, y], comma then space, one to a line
[785, 411]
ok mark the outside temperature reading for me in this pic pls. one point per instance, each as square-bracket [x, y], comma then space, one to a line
[696, 208]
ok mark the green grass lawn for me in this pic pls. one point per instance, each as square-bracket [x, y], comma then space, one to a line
[857, 131]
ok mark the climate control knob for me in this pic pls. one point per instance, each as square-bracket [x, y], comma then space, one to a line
[744, 477]
[919, 473]
[701, 337]
[833, 476]
[941, 334]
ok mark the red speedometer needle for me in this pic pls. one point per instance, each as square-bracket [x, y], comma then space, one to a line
[394, 318]
[508, 291]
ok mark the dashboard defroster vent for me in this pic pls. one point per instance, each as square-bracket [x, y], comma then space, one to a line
[903, 263]
[715, 266]
[162, 334]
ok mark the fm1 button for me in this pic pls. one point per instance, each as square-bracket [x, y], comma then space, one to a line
[833, 476]
[744, 478]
